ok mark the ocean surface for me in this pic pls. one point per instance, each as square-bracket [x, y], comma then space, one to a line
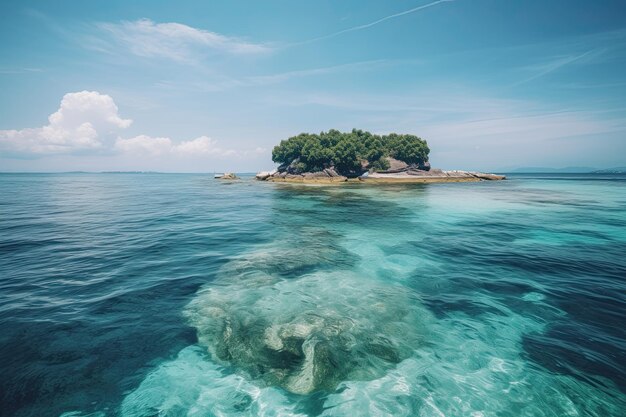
[181, 295]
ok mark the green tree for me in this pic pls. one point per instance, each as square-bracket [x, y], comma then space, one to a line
[289, 149]
[409, 148]
[346, 159]
[347, 152]
[315, 156]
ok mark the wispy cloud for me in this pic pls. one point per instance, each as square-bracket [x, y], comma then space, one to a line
[223, 82]
[591, 86]
[518, 129]
[19, 70]
[425, 104]
[375, 22]
[555, 64]
[147, 146]
[174, 41]
[284, 76]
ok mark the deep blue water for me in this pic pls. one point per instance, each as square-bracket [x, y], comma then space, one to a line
[180, 295]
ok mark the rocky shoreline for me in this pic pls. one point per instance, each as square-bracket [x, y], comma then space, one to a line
[429, 177]
[399, 173]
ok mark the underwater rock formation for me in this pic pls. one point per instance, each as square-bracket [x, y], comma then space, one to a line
[308, 333]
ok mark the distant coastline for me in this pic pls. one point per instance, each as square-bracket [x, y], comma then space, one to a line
[565, 170]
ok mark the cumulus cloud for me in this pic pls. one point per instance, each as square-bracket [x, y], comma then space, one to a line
[175, 41]
[89, 121]
[77, 125]
[158, 146]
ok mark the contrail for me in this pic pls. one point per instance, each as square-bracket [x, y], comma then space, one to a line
[368, 25]
[555, 66]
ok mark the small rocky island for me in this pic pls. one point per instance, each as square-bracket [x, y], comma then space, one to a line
[358, 156]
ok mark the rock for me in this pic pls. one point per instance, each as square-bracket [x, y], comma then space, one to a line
[488, 177]
[272, 340]
[293, 167]
[263, 175]
[415, 175]
[316, 367]
[331, 172]
[420, 173]
[398, 171]
[228, 176]
[458, 174]
[395, 166]
[325, 176]
[301, 330]
[319, 174]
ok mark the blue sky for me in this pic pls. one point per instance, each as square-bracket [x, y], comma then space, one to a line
[196, 86]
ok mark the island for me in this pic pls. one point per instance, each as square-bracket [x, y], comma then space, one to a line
[360, 156]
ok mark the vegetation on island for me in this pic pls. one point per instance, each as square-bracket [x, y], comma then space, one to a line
[348, 153]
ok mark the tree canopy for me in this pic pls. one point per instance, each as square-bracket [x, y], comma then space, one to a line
[349, 152]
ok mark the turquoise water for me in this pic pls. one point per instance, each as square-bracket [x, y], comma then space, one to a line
[179, 295]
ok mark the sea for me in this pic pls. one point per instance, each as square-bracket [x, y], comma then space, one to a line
[147, 294]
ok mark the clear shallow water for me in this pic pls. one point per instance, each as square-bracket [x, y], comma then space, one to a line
[178, 295]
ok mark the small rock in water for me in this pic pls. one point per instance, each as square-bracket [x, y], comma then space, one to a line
[228, 176]
[263, 175]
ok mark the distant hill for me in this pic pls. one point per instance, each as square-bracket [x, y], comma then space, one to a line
[543, 170]
[619, 170]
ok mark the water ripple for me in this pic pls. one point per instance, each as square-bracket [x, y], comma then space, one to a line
[504, 298]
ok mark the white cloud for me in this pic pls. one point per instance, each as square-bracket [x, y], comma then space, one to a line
[159, 146]
[175, 41]
[77, 125]
[201, 146]
[88, 105]
[84, 122]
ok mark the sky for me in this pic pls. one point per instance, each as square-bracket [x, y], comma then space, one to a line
[197, 86]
